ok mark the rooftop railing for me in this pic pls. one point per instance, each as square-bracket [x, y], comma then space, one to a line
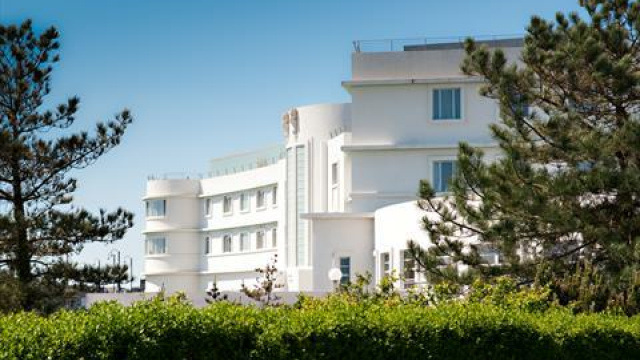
[390, 45]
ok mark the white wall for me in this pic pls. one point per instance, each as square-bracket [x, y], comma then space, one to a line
[402, 114]
[335, 237]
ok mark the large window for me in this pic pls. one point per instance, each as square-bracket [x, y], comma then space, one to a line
[156, 207]
[260, 199]
[156, 245]
[227, 207]
[227, 244]
[443, 172]
[385, 264]
[446, 104]
[408, 269]
[345, 269]
[244, 202]
[259, 239]
[244, 242]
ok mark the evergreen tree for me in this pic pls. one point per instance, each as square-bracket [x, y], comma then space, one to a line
[39, 226]
[565, 196]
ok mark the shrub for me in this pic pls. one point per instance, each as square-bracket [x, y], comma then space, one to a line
[332, 328]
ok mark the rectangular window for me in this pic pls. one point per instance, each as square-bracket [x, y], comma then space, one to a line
[244, 242]
[207, 207]
[274, 237]
[335, 200]
[260, 199]
[385, 264]
[408, 269]
[274, 196]
[345, 269]
[227, 244]
[259, 239]
[207, 245]
[244, 202]
[334, 174]
[443, 172]
[227, 207]
[446, 104]
[156, 208]
[156, 245]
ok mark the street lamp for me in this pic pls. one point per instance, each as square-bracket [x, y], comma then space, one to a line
[335, 275]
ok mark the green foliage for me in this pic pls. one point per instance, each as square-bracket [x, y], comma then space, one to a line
[567, 187]
[505, 293]
[331, 328]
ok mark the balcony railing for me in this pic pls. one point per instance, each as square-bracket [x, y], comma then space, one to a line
[386, 45]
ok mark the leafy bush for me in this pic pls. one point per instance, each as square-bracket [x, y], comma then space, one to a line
[332, 328]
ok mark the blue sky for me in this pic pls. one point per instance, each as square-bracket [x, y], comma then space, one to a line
[206, 78]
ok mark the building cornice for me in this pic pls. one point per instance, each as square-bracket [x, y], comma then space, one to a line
[387, 147]
[169, 230]
[185, 195]
[425, 81]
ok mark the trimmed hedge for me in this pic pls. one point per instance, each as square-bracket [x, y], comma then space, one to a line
[329, 329]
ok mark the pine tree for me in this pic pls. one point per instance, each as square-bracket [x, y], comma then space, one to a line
[565, 196]
[39, 226]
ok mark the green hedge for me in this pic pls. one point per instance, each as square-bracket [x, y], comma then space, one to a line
[332, 329]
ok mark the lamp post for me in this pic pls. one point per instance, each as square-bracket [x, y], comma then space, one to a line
[130, 271]
[335, 275]
[115, 255]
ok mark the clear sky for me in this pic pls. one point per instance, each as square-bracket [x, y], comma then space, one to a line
[207, 78]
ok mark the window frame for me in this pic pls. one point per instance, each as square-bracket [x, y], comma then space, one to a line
[148, 207]
[274, 237]
[385, 264]
[207, 245]
[227, 240]
[274, 196]
[409, 281]
[151, 240]
[260, 194]
[226, 211]
[208, 207]
[438, 173]
[245, 242]
[346, 276]
[436, 111]
[260, 237]
[244, 203]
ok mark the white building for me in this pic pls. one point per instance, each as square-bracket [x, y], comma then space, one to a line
[341, 190]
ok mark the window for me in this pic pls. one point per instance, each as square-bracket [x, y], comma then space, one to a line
[244, 202]
[156, 208]
[345, 269]
[334, 174]
[227, 205]
[385, 265]
[259, 239]
[446, 104]
[227, 244]
[334, 187]
[207, 245]
[260, 199]
[156, 245]
[244, 242]
[274, 196]
[408, 269]
[443, 172]
[274, 237]
[207, 207]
